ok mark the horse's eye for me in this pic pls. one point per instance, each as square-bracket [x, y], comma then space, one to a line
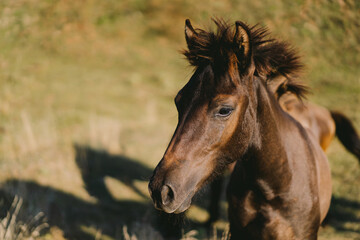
[224, 112]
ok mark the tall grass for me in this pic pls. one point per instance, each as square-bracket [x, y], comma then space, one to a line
[13, 229]
[146, 232]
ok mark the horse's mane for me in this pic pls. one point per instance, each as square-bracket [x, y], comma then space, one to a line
[272, 58]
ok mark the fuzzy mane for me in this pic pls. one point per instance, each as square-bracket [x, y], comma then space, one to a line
[272, 58]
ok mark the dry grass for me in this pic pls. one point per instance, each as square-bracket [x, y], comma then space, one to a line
[13, 229]
[146, 232]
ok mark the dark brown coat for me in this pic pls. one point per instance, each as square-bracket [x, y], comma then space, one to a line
[228, 112]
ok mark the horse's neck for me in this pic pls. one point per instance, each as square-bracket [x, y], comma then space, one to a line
[272, 124]
[266, 156]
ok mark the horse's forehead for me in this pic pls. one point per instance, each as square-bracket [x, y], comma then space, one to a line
[210, 82]
[198, 80]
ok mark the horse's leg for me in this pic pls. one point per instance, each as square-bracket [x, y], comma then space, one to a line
[215, 196]
[170, 225]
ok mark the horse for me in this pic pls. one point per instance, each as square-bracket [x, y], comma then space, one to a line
[280, 187]
[323, 123]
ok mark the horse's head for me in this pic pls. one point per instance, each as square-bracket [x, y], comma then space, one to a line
[212, 122]
[216, 109]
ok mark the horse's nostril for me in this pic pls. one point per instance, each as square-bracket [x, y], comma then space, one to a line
[167, 195]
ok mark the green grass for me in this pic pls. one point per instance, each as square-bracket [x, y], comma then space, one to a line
[102, 75]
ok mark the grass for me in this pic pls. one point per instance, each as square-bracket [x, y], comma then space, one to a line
[13, 229]
[91, 83]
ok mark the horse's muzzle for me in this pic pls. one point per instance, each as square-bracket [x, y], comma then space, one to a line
[163, 197]
[169, 190]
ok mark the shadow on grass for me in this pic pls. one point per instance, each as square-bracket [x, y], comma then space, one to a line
[82, 219]
[72, 214]
[344, 215]
[95, 165]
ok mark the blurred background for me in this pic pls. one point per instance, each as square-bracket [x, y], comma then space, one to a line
[86, 106]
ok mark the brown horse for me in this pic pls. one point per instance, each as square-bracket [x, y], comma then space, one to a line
[323, 123]
[228, 112]
[319, 120]
[315, 118]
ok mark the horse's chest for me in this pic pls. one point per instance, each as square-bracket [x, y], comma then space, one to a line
[249, 202]
[243, 210]
[252, 217]
[252, 221]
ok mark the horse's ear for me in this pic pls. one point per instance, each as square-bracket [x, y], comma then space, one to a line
[190, 32]
[242, 39]
[276, 84]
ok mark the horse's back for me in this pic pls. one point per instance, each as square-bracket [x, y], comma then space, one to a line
[323, 122]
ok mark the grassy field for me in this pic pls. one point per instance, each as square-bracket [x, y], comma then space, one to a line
[86, 104]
